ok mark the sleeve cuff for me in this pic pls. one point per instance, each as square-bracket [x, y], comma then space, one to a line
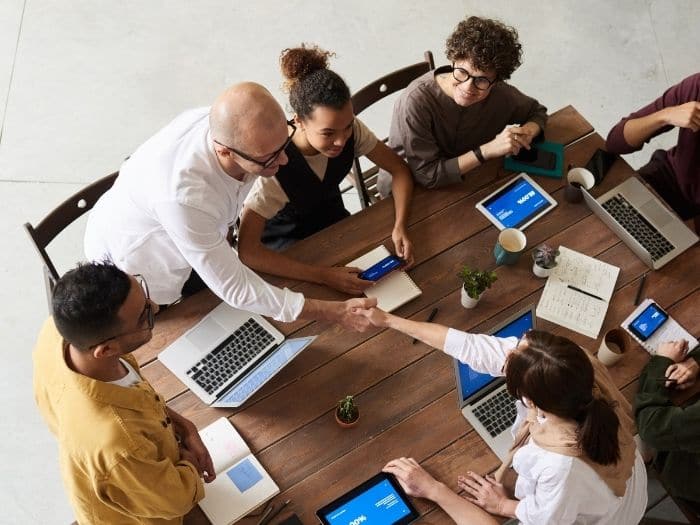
[293, 305]
[452, 174]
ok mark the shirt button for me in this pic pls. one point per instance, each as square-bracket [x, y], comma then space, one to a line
[164, 424]
[157, 397]
[168, 420]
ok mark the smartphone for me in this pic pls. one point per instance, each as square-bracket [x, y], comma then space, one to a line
[600, 163]
[648, 322]
[382, 268]
[536, 158]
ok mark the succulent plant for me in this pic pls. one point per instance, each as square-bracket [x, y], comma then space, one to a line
[476, 281]
[347, 410]
[545, 256]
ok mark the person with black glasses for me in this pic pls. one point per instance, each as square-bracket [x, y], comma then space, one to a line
[170, 211]
[449, 121]
[304, 197]
[125, 456]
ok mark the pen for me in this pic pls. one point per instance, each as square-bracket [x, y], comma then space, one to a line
[639, 290]
[275, 513]
[665, 380]
[432, 315]
[586, 293]
[266, 514]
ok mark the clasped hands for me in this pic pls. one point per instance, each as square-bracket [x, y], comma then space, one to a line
[684, 370]
[510, 141]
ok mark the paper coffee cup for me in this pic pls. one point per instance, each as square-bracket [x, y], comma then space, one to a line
[613, 346]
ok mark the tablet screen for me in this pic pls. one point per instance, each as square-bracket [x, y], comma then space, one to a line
[517, 203]
[378, 501]
[648, 322]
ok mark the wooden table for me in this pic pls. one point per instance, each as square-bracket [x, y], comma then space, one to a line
[406, 393]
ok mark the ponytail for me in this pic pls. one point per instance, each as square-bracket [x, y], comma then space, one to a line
[598, 432]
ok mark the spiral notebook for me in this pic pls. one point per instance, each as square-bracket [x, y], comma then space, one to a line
[392, 291]
[670, 330]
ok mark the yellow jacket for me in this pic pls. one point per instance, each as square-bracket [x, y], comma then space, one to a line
[119, 457]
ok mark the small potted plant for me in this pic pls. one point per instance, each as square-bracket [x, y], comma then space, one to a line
[474, 283]
[347, 413]
[545, 259]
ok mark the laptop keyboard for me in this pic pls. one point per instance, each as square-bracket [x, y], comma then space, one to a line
[232, 355]
[497, 413]
[638, 227]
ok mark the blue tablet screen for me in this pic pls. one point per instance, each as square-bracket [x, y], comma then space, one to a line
[517, 203]
[649, 321]
[471, 381]
[379, 504]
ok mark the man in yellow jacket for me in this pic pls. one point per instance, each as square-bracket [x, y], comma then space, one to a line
[125, 456]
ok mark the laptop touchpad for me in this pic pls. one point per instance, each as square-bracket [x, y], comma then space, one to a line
[207, 334]
[656, 214]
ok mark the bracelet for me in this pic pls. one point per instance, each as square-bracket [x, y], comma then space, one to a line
[479, 155]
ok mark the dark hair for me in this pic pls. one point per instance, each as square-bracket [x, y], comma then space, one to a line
[309, 81]
[487, 44]
[557, 376]
[86, 301]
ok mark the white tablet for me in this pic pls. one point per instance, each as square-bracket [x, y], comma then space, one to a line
[516, 204]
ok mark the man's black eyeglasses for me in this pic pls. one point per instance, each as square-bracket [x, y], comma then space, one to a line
[271, 159]
[462, 75]
[147, 312]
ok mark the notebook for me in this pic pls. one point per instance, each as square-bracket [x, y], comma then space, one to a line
[666, 329]
[483, 399]
[643, 223]
[241, 483]
[578, 292]
[392, 291]
[229, 355]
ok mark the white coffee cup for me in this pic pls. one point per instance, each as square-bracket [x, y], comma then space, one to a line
[578, 178]
[613, 346]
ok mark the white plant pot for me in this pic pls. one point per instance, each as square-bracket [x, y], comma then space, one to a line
[467, 301]
[541, 272]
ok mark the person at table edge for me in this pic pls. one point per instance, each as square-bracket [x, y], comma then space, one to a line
[125, 456]
[169, 213]
[449, 121]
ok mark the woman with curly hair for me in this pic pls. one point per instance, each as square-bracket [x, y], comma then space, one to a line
[449, 121]
[304, 197]
[573, 459]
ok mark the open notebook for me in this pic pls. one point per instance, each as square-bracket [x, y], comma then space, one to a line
[241, 483]
[668, 331]
[392, 291]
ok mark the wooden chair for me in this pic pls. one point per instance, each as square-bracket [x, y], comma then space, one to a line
[366, 181]
[59, 219]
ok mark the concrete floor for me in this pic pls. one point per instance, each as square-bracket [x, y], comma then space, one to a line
[82, 83]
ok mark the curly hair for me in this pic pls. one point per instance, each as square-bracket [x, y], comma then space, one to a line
[487, 44]
[86, 302]
[309, 81]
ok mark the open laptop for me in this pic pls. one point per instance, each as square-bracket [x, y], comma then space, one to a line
[226, 357]
[484, 399]
[637, 216]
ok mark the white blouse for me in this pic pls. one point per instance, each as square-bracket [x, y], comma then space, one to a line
[552, 488]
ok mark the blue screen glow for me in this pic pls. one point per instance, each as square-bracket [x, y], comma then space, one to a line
[516, 204]
[380, 504]
[649, 321]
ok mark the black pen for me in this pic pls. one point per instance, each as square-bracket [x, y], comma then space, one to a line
[432, 315]
[639, 290]
[586, 293]
[268, 519]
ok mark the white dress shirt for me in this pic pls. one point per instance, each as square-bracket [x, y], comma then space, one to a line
[169, 212]
[552, 488]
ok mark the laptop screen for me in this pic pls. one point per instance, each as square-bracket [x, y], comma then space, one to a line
[471, 381]
[517, 203]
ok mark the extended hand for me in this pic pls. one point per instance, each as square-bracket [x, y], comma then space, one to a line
[352, 315]
[674, 350]
[345, 279]
[507, 142]
[403, 245]
[684, 116]
[191, 443]
[485, 492]
[412, 477]
[376, 317]
[683, 374]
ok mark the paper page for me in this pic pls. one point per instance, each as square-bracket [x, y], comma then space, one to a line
[669, 331]
[586, 273]
[224, 443]
[237, 491]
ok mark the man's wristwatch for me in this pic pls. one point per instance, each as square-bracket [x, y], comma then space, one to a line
[479, 156]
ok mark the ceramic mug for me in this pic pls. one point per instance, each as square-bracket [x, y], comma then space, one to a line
[613, 346]
[577, 178]
[510, 245]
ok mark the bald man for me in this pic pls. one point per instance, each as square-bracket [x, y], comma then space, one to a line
[169, 212]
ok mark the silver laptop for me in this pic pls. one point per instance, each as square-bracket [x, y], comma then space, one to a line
[484, 399]
[226, 357]
[652, 232]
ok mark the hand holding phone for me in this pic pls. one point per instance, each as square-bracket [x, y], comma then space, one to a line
[382, 268]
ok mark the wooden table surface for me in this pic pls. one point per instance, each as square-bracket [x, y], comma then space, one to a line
[406, 393]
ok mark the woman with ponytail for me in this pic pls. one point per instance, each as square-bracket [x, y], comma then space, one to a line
[573, 459]
[304, 197]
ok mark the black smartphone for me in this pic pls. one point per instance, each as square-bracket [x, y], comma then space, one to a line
[382, 268]
[648, 322]
[600, 164]
[536, 158]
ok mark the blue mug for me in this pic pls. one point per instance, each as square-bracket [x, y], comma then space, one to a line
[510, 245]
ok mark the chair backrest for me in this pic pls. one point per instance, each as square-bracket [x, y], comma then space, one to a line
[365, 182]
[59, 219]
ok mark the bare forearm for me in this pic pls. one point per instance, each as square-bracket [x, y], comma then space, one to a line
[463, 512]
[430, 333]
[263, 259]
[638, 130]
[467, 162]
[402, 190]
